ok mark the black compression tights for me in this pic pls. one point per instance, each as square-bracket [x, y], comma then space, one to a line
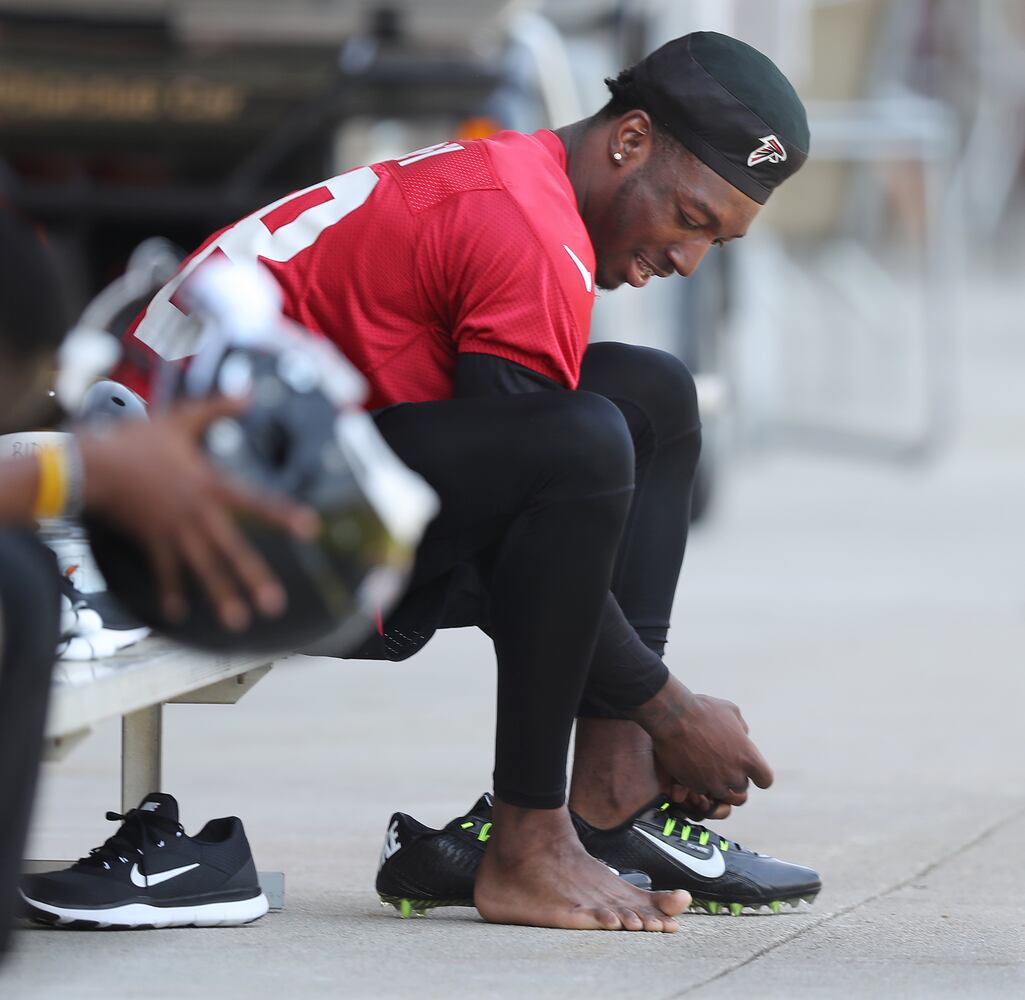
[569, 568]
[29, 630]
[656, 395]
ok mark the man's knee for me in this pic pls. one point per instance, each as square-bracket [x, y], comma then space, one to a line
[656, 382]
[590, 447]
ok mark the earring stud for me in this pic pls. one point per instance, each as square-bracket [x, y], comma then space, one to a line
[617, 156]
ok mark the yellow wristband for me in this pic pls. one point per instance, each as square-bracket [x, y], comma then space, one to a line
[52, 494]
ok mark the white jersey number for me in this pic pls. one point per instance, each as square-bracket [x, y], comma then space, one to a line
[278, 232]
[272, 233]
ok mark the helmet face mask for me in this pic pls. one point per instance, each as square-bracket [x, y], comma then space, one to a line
[301, 436]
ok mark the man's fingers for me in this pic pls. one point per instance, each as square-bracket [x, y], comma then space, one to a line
[697, 806]
[249, 566]
[294, 518]
[166, 568]
[733, 797]
[196, 415]
[701, 807]
[759, 770]
[216, 580]
[688, 798]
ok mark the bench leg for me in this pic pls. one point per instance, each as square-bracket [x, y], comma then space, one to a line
[141, 741]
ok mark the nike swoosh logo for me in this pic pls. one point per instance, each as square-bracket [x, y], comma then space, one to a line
[148, 881]
[584, 273]
[711, 867]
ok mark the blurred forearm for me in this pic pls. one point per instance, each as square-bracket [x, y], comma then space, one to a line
[19, 487]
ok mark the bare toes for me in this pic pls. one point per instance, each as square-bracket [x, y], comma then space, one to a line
[652, 923]
[655, 920]
[608, 919]
[631, 920]
[672, 903]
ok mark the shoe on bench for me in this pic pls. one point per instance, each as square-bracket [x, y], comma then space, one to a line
[720, 875]
[151, 874]
[423, 868]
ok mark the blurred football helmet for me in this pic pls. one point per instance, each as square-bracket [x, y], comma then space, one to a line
[304, 436]
[106, 402]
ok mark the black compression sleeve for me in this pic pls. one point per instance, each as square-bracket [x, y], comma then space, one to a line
[487, 375]
[624, 673]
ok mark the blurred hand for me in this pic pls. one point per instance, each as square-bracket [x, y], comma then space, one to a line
[703, 745]
[154, 482]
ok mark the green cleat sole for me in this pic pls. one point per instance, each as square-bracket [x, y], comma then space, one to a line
[419, 907]
[737, 909]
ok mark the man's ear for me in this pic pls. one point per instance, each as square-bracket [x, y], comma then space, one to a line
[631, 138]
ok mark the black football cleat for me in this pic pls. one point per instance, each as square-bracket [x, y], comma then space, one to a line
[720, 875]
[423, 868]
[151, 874]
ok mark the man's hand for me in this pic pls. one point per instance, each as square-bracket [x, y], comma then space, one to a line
[153, 481]
[703, 745]
[694, 806]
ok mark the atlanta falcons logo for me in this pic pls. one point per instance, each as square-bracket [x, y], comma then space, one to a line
[771, 149]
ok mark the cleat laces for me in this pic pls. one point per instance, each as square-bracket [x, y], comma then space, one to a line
[677, 824]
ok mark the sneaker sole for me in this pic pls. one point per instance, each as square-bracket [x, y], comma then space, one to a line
[143, 916]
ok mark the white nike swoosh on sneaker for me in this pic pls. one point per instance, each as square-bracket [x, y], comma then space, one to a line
[711, 867]
[148, 881]
[584, 273]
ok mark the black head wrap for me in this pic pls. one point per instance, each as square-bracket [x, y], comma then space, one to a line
[730, 106]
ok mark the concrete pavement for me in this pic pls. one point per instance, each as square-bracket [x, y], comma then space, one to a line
[869, 619]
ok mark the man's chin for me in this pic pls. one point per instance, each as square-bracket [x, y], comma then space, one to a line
[606, 284]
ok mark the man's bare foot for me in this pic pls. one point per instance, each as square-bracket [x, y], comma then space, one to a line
[536, 872]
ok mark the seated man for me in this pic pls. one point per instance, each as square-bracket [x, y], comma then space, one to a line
[151, 479]
[460, 280]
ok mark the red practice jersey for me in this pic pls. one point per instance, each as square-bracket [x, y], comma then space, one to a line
[464, 246]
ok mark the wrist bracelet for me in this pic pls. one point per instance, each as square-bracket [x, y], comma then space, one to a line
[61, 481]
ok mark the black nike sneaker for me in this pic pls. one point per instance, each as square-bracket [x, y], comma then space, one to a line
[720, 875]
[423, 868]
[150, 874]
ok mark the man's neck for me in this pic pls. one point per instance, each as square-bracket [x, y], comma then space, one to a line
[579, 139]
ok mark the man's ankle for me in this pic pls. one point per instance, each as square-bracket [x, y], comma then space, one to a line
[517, 831]
[614, 774]
[608, 811]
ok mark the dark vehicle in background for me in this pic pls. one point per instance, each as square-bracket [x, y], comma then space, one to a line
[120, 121]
